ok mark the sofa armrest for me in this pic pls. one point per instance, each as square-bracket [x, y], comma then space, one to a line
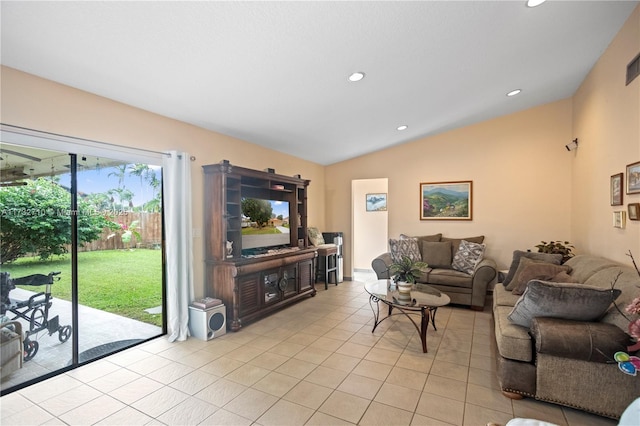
[381, 265]
[581, 340]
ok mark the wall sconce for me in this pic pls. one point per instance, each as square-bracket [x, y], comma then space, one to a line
[572, 145]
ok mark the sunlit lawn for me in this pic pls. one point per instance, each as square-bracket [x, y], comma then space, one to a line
[122, 282]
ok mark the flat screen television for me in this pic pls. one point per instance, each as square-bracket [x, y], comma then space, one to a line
[265, 224]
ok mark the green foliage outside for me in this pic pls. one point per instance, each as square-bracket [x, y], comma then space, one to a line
[118, 281]
[35, 219]
[259, 211]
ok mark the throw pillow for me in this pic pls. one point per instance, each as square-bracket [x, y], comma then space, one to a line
[517, 254]
[455, 242]
[467, 256]
[563, 277]
[437, 255]
[530, 269]
[406, 246]
[315, 237]
[570, 301]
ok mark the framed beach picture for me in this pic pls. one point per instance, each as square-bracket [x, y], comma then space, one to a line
[634, 211]
[616, 189]
[376, 202]
[446, 200]
[633, 178]
[619, 219]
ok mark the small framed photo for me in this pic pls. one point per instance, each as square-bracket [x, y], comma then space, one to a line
[446, 200]
[619, 219]
[616, 189]
[634, 211]
[376, 202]
[633, 178]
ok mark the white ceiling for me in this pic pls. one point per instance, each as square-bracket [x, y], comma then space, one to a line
[275, 73]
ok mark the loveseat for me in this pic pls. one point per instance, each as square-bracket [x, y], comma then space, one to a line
[556, 340]
[464, 288]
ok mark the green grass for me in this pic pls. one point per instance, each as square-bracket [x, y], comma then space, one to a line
[122, 282]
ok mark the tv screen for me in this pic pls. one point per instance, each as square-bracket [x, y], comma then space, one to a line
[265, 223]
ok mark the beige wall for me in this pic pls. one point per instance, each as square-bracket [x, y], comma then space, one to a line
[521, 175]
[606, 121]
[526, 186]
[39, 104]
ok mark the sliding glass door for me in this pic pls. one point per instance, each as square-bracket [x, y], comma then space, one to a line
[81, 258]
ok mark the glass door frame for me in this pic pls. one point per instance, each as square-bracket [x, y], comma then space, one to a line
[48, 141]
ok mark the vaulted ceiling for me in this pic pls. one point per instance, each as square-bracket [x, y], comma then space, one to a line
[276, 73]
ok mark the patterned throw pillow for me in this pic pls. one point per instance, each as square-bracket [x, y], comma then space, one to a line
[315, 237]
[405, 246]
[467, 256]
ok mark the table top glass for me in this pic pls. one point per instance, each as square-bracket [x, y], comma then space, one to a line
[421, 295]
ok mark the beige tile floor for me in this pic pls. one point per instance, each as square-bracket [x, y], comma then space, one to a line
[315, 363]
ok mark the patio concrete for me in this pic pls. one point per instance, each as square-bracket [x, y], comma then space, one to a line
[95, 328]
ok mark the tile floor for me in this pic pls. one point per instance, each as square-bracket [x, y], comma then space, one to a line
[315, 363]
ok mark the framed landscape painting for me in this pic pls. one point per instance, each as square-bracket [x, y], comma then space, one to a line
[633, 178]
[376, 202]
[446, 200]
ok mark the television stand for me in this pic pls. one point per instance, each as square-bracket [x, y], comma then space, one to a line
[254, 284]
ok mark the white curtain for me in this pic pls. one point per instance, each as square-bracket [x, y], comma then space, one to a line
[177, 214]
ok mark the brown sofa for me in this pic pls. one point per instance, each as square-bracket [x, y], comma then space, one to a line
[565, 356]
[438, 251]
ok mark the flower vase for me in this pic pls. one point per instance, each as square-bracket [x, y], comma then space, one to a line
[404, 287]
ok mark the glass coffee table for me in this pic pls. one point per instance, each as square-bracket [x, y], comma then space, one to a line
[422, 299]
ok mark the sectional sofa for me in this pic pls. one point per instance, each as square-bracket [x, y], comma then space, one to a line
[556, 341]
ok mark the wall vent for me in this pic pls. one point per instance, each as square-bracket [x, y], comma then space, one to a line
[633, 69]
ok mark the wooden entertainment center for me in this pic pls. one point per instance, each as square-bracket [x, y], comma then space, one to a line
[254, 282]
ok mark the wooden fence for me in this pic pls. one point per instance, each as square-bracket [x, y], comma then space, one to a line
[149, 227]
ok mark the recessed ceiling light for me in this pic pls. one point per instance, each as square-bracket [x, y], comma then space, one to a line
[356, 76]
[403, 127]
[514, 92]
[534, 3]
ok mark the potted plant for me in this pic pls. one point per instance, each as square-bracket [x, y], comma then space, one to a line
[405, 272]
[557, 247]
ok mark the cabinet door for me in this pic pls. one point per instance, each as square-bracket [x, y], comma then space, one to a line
[270, 286]
[248, 294]
[289, 280]
[306, 275]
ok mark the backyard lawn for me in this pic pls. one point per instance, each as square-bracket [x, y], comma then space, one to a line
[122, 282]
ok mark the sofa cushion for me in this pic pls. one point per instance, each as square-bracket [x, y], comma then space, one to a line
[626, 280]
[561, 300]
[430, 238]
[513, 341]
[437, 255]
[449, 277]
[585, 266]
[455, 242]
[503, 297]
[563, 277]
[467, 256]
[405, 246]
[515, 262]
[530, 269]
